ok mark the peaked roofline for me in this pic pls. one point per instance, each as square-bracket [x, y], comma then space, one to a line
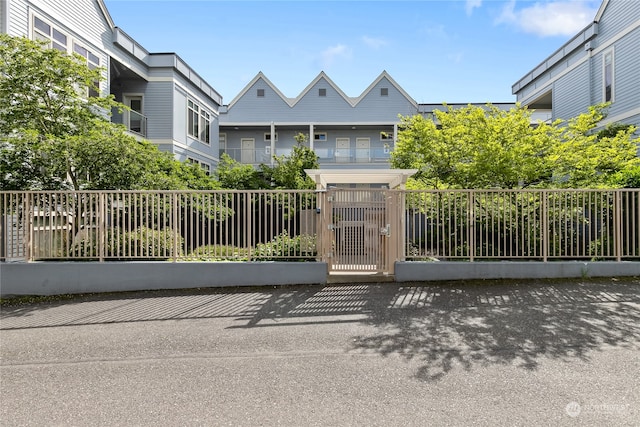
[106, 13]
[291, 102]
[603, 6]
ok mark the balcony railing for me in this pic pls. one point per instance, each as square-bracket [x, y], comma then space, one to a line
[136, 123]
[326, 155]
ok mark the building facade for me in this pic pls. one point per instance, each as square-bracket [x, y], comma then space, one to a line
[599, 64]
[170, 104]
[345, 132]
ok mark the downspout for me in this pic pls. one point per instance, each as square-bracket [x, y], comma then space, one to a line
[4, 8]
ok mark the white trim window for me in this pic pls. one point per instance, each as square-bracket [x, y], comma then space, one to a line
[46, 32]
[198, 122]
[386, 136]
[267, 137]
[320, 137]
[222, 141]
[608, 79]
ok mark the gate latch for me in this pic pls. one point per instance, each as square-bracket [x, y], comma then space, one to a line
[385, 231]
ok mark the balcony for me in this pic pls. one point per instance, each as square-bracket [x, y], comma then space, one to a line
[378, 155]
[135, 122]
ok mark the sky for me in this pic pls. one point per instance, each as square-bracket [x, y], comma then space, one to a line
[453, 51]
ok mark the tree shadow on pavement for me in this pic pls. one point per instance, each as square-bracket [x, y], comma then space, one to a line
[448, 325]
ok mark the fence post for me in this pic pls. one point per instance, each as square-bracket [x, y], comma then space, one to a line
[617, 225]
[471, 225]
[174, 218]
[101, 225]
[29, 218]
[544, 196]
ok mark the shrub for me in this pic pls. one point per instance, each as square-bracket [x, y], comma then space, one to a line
[302, 247]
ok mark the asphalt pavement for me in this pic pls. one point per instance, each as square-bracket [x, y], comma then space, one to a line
[461, 353]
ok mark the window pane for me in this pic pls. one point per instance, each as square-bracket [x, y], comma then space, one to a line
[94, 59]
[80, 50]
[42, 26]
[58, 36]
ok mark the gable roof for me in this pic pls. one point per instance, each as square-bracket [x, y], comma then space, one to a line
[322, 76]
[106, 13]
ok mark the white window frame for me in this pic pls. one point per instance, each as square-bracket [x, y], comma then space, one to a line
[320, 137]
[386, 136]
[72, 45]
[608, 53]
[222, 141]
[267, 137]
[198, 122]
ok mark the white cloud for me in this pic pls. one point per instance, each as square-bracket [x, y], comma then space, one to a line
[472, 4]
[555, 18]
[334, 53]
[374, 43]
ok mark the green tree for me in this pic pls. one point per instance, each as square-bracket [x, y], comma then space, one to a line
[235, 175]
[288, 170]
[475, 147]
[54, 134]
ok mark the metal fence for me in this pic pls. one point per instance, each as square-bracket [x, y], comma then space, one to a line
[472, 225]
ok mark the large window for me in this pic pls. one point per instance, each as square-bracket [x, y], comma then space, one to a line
[607, 72]
[46, 32]
[57, 39]
[199, 123]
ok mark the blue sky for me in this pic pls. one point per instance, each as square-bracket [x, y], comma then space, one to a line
[438, 51]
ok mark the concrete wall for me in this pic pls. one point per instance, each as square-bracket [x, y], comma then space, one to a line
[443, 270]
[54, 278]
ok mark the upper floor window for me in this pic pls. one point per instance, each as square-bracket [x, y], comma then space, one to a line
[607, 73]
[384, 91]
[386, 136]
[322, 92]
[320, 136]
[93, 62]
[260, 93]
[222, 141]
[47, 33]
[267, 137]
[199, 123]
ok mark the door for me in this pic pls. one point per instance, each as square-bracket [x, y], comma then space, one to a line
[248, 151]
[343, 150]
[362, 150]
[359, 235]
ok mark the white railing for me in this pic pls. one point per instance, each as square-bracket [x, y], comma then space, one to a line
[325, 155]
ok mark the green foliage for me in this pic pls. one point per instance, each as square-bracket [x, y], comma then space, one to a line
[55, 135]
[235, 175]
[147, 243]
[288, 171]
[474, 147]
[218, 253]
[284, 246]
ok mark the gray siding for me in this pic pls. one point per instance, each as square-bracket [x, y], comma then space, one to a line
[158, 107]
[571, 93]
[312, 108]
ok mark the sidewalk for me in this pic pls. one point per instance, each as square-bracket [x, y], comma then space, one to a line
[489, 353]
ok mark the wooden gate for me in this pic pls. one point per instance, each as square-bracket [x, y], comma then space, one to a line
[361, 230]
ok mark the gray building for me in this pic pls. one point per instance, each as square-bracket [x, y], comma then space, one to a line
[171, 105]
[599, 64]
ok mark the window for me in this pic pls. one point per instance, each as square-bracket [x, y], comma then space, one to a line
[267, 137]
[222, 141]
[320, 136]
[45, 32]
[384, 91]
[322, 92]
[386, 136]
[607, 74]
[260, 93]
[198, 123]
[93, 62]
[206, 167]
